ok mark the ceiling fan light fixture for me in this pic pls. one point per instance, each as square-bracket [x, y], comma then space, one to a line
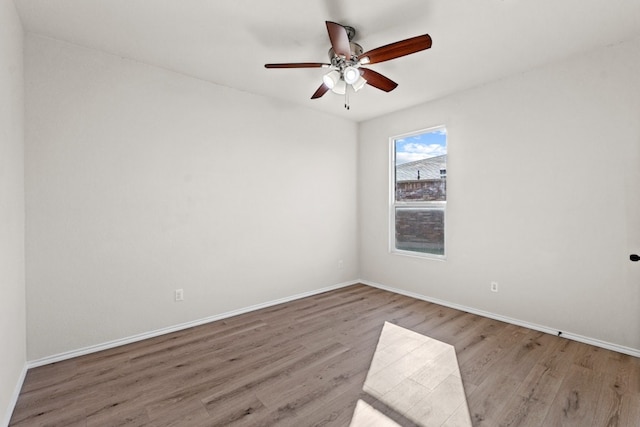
[359, 84]
[347, 57]
[351, 75]
[331, 79]
[340, 87]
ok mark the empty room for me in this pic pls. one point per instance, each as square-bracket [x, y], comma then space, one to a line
[321, 213]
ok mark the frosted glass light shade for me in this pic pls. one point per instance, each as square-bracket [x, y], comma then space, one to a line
[340, 87]
[359, 84]
[351, 75]
[331, 79]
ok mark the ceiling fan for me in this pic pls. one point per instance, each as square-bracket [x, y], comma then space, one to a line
[347, 59]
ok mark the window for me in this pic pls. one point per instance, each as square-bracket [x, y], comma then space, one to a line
[419, 193]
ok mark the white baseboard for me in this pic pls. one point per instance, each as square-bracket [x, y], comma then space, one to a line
[175, 328]
[575, 337]
[128, 340]
[14, 396]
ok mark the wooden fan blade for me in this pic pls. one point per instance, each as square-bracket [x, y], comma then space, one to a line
[396, 50]
[339, 39]
[321, 91]
[297, 65]
[377, 80]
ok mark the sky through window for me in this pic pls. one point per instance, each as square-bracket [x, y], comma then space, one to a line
[421, 146]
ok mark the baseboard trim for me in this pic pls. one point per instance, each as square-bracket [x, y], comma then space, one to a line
[158, 332]
[152, 334]
[15, 395]
[575, 337]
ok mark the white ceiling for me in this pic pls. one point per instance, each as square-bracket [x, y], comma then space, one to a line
[228, 42]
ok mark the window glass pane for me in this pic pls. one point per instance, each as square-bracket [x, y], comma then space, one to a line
[420, 230]
[421, 167]
[419, 192]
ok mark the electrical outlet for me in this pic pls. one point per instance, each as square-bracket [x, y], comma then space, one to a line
[340, 264]
[494, 286]
[179, 294]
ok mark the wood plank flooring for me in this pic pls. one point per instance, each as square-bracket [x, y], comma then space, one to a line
[304, 363]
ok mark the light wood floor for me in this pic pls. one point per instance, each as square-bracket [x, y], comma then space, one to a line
[304, 363]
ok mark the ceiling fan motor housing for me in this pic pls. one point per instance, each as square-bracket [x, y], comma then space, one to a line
[356, 51]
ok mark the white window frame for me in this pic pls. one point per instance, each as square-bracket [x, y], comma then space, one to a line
[393, 204]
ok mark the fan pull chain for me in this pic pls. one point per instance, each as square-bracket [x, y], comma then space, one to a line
[346, 99]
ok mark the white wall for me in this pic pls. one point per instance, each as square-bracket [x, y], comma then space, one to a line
[140, 181]
[12, 260]
[543, 197]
